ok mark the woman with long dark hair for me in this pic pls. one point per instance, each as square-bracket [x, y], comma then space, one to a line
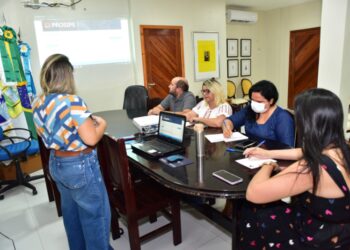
[319, 216]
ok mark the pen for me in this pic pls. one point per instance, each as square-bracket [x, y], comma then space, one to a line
[234, 150]
[225, 124]
[260, 143]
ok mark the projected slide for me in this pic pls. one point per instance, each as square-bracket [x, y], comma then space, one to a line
[85, 42]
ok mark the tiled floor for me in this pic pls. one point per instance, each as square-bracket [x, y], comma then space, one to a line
[32, 223]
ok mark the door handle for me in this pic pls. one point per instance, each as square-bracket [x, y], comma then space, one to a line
[150, 85]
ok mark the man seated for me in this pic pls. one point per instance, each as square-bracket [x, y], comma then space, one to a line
[179, 99]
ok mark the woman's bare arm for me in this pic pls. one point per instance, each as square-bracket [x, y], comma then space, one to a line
[282, 154]
[92, 130]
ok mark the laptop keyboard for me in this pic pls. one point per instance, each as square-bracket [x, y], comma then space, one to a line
[162, 145]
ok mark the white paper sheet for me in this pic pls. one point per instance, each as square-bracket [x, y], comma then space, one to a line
[253, 162]
[236, 136]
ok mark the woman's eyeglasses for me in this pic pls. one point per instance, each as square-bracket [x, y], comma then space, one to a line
[205, 91]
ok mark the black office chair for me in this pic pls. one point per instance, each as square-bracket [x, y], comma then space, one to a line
[17, 148]
[136, 98]
[135, 199]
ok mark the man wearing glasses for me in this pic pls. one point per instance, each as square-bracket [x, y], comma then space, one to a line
[179, 99]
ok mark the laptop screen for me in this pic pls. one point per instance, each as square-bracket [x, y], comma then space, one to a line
[171, 126]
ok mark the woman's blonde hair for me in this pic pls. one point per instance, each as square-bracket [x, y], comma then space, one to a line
[56, 75]
[216, 88]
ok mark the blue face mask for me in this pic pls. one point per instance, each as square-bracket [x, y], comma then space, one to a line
[258, 107]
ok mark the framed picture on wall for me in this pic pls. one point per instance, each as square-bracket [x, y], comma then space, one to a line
[245, 67]
[232, 47]
[246, 47]
[232, 68]
[206, 55]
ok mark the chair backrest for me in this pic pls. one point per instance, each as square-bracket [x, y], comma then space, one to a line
[116, 174]
[231, 89]
[246, 85]
[122, 192]
[292, 115]
[13, 147]
[198, 99]
[136, 98]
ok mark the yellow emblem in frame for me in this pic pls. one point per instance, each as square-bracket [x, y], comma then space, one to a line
[206, 55]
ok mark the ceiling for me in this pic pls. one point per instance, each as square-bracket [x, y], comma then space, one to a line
[263, 5]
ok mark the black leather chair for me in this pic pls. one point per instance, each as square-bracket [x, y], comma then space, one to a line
[136, 98]
[135, 199]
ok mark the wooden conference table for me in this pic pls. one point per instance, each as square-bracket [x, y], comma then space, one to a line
[195, 179]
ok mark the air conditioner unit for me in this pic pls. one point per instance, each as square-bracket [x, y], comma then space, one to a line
[241, 16]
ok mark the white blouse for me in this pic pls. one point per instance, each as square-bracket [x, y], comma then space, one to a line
[202, 110]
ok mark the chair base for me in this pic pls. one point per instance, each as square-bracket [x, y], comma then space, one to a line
[21, 179]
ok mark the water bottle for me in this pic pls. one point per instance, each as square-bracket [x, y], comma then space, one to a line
[199, 135]
[200, 167]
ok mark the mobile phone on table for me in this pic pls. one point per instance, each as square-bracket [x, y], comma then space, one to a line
[245, 144]
[227, 177]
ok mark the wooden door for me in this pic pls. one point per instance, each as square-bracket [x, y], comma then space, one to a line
[303, 61]
[162, 57]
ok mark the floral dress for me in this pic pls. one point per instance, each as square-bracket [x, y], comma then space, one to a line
[310, 222]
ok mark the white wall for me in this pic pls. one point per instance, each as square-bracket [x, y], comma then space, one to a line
[101, 86]
[334, 66]
[270, 40]
[255, 32]
[285, 20]
[194, 15]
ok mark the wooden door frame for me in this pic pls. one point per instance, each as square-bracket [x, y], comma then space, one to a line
[144, 62]
[291, 63]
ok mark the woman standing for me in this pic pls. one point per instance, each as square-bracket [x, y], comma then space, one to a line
[214, 109]
[69, 130]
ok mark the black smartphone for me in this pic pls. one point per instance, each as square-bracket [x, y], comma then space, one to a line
[245, 144]
[227, 177]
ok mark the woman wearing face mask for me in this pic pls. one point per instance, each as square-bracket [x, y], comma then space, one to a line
[263, 118]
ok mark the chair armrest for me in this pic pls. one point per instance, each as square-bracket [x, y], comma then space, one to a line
[19, 129]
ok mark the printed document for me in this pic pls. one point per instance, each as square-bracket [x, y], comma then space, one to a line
[253, 162]
[236, 136]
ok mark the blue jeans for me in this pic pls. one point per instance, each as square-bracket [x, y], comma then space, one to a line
[84, 200]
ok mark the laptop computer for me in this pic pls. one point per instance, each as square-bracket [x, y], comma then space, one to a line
[170, 137]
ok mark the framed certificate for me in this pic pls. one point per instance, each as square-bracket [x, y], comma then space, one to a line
[245, 67]
[232, 47]
[232, 68]
[246, 47]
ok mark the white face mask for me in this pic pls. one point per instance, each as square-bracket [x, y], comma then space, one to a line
[258, 107]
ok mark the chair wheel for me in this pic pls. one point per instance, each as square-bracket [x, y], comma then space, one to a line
[35, 192]
[2, 197]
